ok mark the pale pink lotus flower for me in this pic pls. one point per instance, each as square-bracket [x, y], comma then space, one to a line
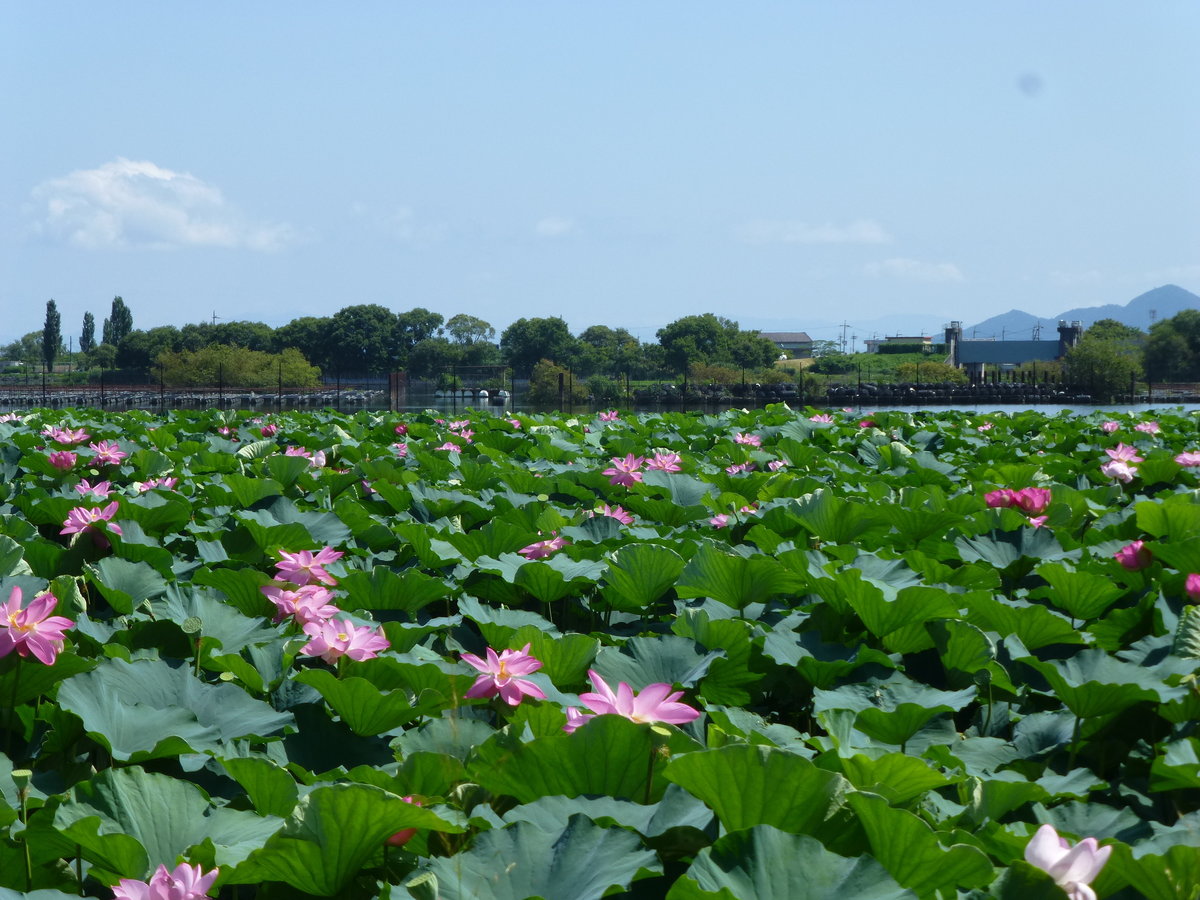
[847, 409]
[451, 446]
[307, 603]
[401, 429]
[986, 426]
[1189, 459]
[32, 630]
[1110, 426]
[225, 431]
[100, 490]
[665, 462]
[166, 482]
[85, 518]
[1134, 556]
[63, 460]
[1124, 453]
[269, 430]
[655, 703]
[1072, 868]
[613, 512]
[735, 469]
[776, 464]
[1192, 587]
[331, 639]
[459, 424]
[751, 440]
[108, 453]
[306, 567]
[610, 416]
[542, 549]
[823, 418]
[625, 471]
[404, 835]
[10, 417]
[465, 435]
[65, 435]
[720, 520]
[1150, 427]
[500, 673]
[749, 510]
[400, 449]
[515, 423]
[184, 883]
[1038, 521]
[1118, 470]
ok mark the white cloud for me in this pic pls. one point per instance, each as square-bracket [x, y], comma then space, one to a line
[767, 231]
[914, 270]
[554, 226]
[129, 203]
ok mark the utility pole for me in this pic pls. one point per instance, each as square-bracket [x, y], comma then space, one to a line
[845, 325]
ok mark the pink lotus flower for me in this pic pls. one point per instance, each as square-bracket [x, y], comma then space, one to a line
[32, 630]
[66, 435]
[720, 520]
[459, 424]
[305, 567]
[1124, 453]
[401, 429]
[108, 453]
[451, 446]
[776, 464]
[613, 512]
[400, 449]
[1147, 427]
[184, 883]
[751, 440]
[1110, 426]
[308, 603]
[542, 549]
[167, 483]
[331, 639]
[85, 518]
[404, 835]
[665, 462]
[739, 468]
[1189, 459]
[824, 418]
[1072, 868]
[986, 426]
[625, 471]
[1134, 556]
[515, 423]
[63, 460]
[10, 417]
[1000, 499]
[655, 703]
[610, 416]
[1192, 587]
[868, 423]
[315, 460]
[100, 490]
[269, 430]
[1118, 470]
[499, 675]
[1032, 500]
[1038, 521]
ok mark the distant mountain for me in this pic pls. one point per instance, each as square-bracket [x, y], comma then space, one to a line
[1164, 302]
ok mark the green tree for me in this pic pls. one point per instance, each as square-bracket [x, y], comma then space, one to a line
[309, 335]
[51, 335]
[1172, 351]
[252, 335]
[237, 367]
[526, 341]
[140, 349]
[118, 324]
[1103, 367]
[362, 339]
[433, 356]
[464, 329]
[545, 381]
[87, 339]
[412, 327]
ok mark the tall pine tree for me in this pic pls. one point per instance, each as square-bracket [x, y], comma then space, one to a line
[87, 340]
[119, 322]
[51, 334]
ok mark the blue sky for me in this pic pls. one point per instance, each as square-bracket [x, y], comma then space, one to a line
[789, 165]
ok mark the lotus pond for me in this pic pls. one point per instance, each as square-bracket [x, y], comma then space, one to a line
[767, 654]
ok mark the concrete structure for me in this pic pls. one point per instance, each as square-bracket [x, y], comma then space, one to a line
[976, 356]
[924, 341]
[794, 343]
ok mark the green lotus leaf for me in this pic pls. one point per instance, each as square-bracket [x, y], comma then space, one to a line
[1176, 517]
[385, 589]
[128, 821]
[25, 678]
[243, 587]
[821, 664]
[332, 833]
[733, 580]
[1036, 626]
[286, 469]
[1093, 683]
[911, 852]
[219, 620]
[834, 519]
[1187, 634]
[365, 708]
[565, 658]
[682, 490]
[249, 491]
[149, 708]
[494, 538]
[664, 658]
[1018, 550]
[639, 574]
[769, 864]
[1021, 881]
[578, 861]
[894, 616]
[897, 778]
[1082, 595]
[271, 788]
[892, 710]
[322, 528]
[158, 512]
[730, 674]
[124, 584]
[963, 648]
[12, 557]
[1178, 768]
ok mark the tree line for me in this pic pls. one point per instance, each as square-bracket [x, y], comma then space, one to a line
[370, 339]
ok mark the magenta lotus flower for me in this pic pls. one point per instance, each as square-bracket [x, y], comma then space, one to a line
[1072, 868]
[1031, 500]
[613, 512]
[66, 435]
[306, 567]
[101, 489]
[625, 471]
[404, 835]
[1000, 499]
[720, 520]
[63, 460]
[269, 430]
[610, 416]
[750, 440]
[1118, 470]
[500, 673]
[331, 639]
[1192, 587]
[1189, 459]
[184, 883]
[85, 518]
[400, 449]
[1124, 453]
[1134, 556]
[308, 603]
[1147, 427]
[1110, 426]
[655, 703]
[32, 630]
[542, 549]
[108, 453]
[665, 462]
[776, 464]
[515, 423]
[868, 423]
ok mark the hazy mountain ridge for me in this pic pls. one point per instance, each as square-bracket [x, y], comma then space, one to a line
[1164, 302]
